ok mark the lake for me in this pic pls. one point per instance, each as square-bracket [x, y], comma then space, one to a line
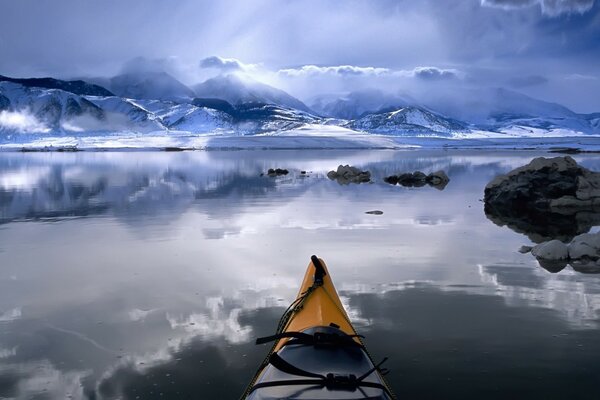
[127, 275]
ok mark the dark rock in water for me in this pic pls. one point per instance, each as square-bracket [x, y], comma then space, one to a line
[525, 249]
[583, 254]
[374, 212]
[552, 266]
[277, 172]
[565, 150]
[540, 226]
[437, 179]
[174, 149]
[549, 198]
[346, 174]
[392, 180]
[586, 267]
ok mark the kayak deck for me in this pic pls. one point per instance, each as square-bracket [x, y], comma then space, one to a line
[317, 353]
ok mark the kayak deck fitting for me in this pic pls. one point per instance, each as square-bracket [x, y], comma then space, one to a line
[316, 352]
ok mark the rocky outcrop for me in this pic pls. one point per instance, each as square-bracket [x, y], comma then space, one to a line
[346, 174]
[549, 198]
[583, 254]
[272, 172]
[437, 179]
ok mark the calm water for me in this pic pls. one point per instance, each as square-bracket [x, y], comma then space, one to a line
[148, 275]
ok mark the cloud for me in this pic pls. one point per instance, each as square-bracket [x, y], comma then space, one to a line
[225, 64]
[551, 8]
[339, 70]
[434, 73]
[426, 73]
[527, 81]
[21, 121]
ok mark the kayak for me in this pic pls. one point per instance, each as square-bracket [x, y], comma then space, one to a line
[316, 352]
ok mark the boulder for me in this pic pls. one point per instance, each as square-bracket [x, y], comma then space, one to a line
[525, 249]
[437, 179]
[277, 172]
[586, 246]
[583, 254]
[554, 250]
[374, 212]
[346, 174]
[549, 198]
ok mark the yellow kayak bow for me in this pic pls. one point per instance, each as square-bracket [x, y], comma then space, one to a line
[316, 352]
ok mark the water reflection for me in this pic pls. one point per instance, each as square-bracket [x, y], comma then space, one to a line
[135, 274]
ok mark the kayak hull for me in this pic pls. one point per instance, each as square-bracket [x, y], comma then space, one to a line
[317, 353]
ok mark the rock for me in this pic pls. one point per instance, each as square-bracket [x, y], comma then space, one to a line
[525, 249]
[549, 198]
[346, 174]
[586, 267]
[438, 179]
[552, 266]
[374, 212]
[554, 250]
[277, 172]
[586, 246]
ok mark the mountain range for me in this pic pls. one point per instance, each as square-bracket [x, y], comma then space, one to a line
[234, 105]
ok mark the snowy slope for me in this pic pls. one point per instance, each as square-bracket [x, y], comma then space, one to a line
[356, 104]
[251, 118]
[408, 120]
[49, 110]
[187, 117]
[236, 91]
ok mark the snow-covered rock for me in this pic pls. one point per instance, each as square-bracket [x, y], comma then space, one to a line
[553, 250]
[586, 245]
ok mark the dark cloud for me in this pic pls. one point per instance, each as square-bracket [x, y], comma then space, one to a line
[526, 81]
[551, 8]
[223, 64]
[433, 73]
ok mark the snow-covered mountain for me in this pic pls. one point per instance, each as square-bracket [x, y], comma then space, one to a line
[408, 120]
[501, 109]
[230, 105]
[77, 87]
[357, 104]
[259, 118]
[187, 117]
[147, 85]
[236, 90]
[42, 110]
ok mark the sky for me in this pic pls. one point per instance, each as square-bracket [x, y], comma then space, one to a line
[549, 49]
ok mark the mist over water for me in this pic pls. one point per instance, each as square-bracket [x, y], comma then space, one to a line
[149, 275]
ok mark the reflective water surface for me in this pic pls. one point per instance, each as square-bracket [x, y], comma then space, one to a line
[148, 275]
